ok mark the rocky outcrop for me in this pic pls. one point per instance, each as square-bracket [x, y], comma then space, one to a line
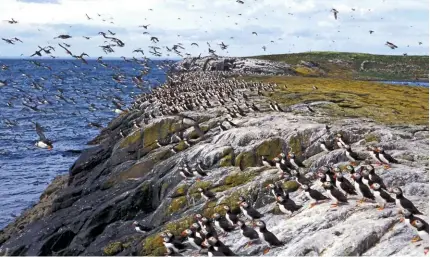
[125, 179]
[234, 65]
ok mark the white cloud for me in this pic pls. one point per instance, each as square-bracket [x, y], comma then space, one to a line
[311, 27]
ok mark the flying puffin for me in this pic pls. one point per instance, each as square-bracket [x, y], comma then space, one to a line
[294, 162]
[206, 194]
[344, 185]
[403, 203]
[362, 190]
[381, 196]
[313, 195]
[250, 212]
[139, 228]
[193, 240]
[268, 237]
[222, 224]
[220, 247]
[247, 232]
[334, 194]
[43, 142]
[286, 205]
[230, 215]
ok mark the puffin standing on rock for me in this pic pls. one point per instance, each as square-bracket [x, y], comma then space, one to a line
[403, 203]
[409, 218]
[206, 194]
[250, 212]
[313, 195]
[247, 232]
[344, 185]
[362, 190]
[381, 196]
[334, 194]
[386, 158]
[268, 237]
[286, 205]
[231, 216]
[222, 224]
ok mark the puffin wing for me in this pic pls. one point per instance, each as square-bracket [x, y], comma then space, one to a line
[317, 195]
[348, 187]
[270, 237]
[339, 196]
[390, 158]
[366, 191]
[39, 131]
[407, 204]
[386, 196]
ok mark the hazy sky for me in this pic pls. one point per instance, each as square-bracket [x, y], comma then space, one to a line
[292, 25]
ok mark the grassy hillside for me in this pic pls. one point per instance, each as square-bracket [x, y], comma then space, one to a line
[388, 104]
[356, 65]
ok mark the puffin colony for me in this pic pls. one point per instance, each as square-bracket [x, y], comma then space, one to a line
[200, 91]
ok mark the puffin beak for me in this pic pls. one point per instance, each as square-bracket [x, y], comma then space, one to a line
[183, 233]
[50, 147]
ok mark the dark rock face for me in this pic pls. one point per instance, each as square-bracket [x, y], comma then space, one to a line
[90, 211]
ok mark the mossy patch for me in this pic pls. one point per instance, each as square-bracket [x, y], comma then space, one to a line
[299, 142]
[226, 161]
[239, 178]
[177, 204]
[112, 249]
[388, 104]
[181, 146]
[159, 130]
[271, 148]
[372, 138]
[176, 227]
[153, 246]
[245, 160]
[291, 186]
[135, 137]
[180, 191]
[202, 184]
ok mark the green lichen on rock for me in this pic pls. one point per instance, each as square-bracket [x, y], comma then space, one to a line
[194, 135]
[211, 208]
[112, 249]
[291, 185]
[239, 178]
[372, 138]
[180, 191]
[226, 161]
[245, 160]
[202, 184]
[299, 142]
[177, 204]
[270, 148]
[133, 138]
[153, 246]
[176, 227]
[181, 146]
[159, 130]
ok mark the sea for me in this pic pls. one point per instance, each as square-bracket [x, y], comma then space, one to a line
[64, 97]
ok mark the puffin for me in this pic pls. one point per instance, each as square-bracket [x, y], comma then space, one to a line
[373, 177]
[313, 195]
[211, 249]
[220, 247]
[43, 142]
[352, 156]
[231, 216]
[381, 196]
[198, 230]
[422, 229]
[250, 212]
[294, 162]
[350, 169]
[281, 166]
[403, 203]
[193, 240]
[409, 218]
[140, 228]
[268, 237]
[324, 146]
[196, 171]
[223, 224]
[247, 232]
[362, 190]
[386, 158]
[206, 194]
[266, 162]
[374, 154]
[334, 194]
[286, 205]
[173, 246]
[340, 143]
[344, 185]
[185, 173]
[276, 189]
[207, 227]
[302, 180]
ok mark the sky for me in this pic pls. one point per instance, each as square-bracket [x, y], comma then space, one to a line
[292, 25]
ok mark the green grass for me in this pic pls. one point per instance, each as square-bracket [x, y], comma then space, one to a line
[380, 67]
[384, 103]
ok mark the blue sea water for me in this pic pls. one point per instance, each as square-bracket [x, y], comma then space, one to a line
[25, 171]
[408, 83]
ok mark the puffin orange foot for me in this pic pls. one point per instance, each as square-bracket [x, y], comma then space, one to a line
[248, 244]
[402, 219]
[266, 251]
[426, 250]
[416, 239]
[380, 208]
[312, 205]
[386, 167]
[334, 205]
